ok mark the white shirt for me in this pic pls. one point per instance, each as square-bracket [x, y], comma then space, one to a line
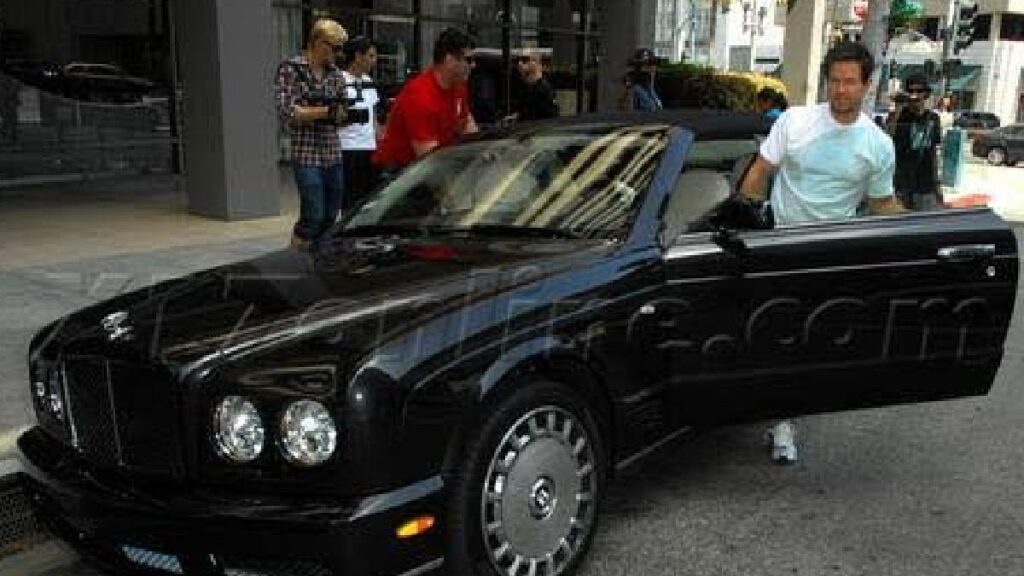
[826, 169]
[360, 136]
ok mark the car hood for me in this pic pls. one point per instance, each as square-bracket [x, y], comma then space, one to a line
[384, 286]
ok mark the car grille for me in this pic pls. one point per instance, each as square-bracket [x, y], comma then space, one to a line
[122, 415]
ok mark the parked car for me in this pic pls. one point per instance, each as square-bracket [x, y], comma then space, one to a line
[453, 376]
[103, 82]
[1000, 146]
[982, 120]
[36, 73]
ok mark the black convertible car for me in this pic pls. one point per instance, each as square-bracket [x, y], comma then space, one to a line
[453, 377]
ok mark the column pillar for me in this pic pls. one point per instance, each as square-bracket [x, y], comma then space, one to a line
[226, 54]
[801, 51]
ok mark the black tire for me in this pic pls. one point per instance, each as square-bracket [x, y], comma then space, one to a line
[518, 436]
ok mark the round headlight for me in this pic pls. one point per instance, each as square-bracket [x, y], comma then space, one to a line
[237, 429]
[308, 434]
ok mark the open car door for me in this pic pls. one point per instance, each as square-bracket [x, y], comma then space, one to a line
[875, 311]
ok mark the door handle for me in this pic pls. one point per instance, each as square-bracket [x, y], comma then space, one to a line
[966, 252]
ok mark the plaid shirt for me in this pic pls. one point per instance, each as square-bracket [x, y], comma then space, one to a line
[313, 144]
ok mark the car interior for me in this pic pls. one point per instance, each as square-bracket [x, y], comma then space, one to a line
[713, 172]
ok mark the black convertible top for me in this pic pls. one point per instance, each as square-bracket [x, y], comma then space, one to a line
[706, 124]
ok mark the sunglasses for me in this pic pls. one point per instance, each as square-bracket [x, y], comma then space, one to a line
[917, 90]
[334, 47]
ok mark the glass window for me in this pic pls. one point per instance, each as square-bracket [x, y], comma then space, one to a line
[562, 182]
[1012, 27]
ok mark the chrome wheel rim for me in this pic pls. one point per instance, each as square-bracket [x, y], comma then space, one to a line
[539, 496]
[996, 156]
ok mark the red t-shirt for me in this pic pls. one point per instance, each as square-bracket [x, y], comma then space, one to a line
[423, 112]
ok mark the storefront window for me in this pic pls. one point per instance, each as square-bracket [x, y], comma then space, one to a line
[85, 89]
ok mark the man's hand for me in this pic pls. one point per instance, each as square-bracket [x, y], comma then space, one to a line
[885, 206]
[420, 148]
[755, 182]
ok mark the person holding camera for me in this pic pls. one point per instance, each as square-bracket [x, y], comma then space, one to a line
[432, 110]
[310, 92]
[359, 139]
[916, 134]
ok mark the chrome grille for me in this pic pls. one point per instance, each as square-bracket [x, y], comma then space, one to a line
[90, 403]
[122, 415]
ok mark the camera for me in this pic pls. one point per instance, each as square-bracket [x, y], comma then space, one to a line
[341, 110]
[901, 98]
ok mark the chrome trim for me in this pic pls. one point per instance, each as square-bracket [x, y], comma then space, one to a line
[424, 568]
[646, 451]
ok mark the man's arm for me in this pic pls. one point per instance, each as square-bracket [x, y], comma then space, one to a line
[423, 147]
[289, 95]
[756, 180]
[470, 126]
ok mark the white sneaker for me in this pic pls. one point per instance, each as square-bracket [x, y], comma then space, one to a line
[782, 438]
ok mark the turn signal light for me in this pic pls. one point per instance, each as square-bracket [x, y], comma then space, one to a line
[415, 527]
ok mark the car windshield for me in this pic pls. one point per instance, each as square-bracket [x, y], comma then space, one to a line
[579, 182]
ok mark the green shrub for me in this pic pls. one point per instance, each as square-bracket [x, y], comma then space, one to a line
[694, 86]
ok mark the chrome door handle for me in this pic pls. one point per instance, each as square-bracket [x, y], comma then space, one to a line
[965, 252]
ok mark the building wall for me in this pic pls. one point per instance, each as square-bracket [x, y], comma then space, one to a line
[997, 87]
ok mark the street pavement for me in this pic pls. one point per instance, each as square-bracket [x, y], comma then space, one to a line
[924, 490]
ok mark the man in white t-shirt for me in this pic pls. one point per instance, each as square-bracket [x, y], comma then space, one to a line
[359, 139]
[830, 157]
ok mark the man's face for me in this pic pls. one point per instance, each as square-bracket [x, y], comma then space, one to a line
[918, 94]
[458, 66]
[367, 60]
[529, 65]
[328, 49]
[846, 87]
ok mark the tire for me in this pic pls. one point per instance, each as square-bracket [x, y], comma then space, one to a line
[526, 497]
[996, 156]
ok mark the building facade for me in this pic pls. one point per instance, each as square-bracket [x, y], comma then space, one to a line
[111, 87]
[991, 75]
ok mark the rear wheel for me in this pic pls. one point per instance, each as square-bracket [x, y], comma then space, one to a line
[996, 156]
[525, 501]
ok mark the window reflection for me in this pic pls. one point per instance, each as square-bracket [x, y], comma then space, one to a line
[579, 183]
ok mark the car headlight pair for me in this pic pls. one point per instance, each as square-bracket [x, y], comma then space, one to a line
[306, 433]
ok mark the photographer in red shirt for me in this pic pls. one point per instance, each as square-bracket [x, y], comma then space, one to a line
[432, 110]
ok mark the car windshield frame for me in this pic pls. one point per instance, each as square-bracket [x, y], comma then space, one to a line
[557, 182]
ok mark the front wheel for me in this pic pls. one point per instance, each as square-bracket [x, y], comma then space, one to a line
[525, 501]
[996, 156]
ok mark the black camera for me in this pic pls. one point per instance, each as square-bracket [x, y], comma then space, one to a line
[341, 110]
[901, 98]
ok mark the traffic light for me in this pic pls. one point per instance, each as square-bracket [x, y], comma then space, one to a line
[965, 13]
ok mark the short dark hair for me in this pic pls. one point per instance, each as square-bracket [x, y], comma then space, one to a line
[917, 80]
[451, 41]
[357, 45]
[850, 52]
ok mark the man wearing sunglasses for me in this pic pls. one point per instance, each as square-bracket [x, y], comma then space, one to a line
[310, 91]
[432, 109]
[916, 133]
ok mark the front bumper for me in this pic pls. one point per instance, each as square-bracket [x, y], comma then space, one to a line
[181, 530]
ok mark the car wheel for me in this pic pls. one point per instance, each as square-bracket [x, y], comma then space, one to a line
[996, 156]
[526, 497]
